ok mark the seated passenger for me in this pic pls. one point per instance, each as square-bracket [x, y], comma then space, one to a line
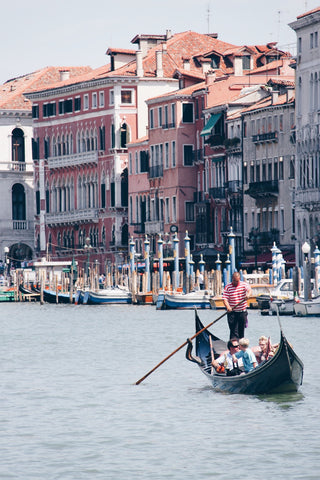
[225, 362]
[265, 350]
[248, 357]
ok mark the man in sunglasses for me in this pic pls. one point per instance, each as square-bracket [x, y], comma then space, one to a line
[225, 363]
[235, 297]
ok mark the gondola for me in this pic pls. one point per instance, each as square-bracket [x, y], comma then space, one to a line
[282, 373]
[51, 296]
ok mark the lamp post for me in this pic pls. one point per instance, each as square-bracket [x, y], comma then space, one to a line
[306, 270]
[88, 247]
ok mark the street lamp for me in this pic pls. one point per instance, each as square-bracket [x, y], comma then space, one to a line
[306, 270]
[88, 247]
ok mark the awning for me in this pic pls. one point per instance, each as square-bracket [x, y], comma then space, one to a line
[210, 124]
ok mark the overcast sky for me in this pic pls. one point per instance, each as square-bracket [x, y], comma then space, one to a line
[38, 33]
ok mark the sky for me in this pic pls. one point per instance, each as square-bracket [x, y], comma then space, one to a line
[37, 33]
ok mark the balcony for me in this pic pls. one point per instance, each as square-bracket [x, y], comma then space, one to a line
[77, 216]
[21, 224]
[266, 189]
[215, 141]
[138, 227]
[265, 137]
[73, 160]
[154, 227]
[16, 167]
[217, 192]
[155, 171]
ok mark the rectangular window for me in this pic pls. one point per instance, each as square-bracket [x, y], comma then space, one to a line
[174, 209]
[111, 97]
[281, 123]
[270, 171]
[189, 212]
[291, 167]
[275, 169]
[258, 172]
[151, 119]
[160, 117]
[166, 116]
[173, 154]
[311, 40]
[299, 45]
[77, 104]
[173, 114]
[246, 62]
[86, 102]
[45, 110]
[251, 172]
[316, 39]
[245, 173]
[282, 220]
[102, 132]
[126, 96]
[35, 111]
[68, 105]
[61, 107]
[264, 171]
[136, 166]
[187, 155]
[130, 163]
[187, 112]
[144, 161]
[280, 168]
[94, 100]
[245, 129]
[166, 155]
[167, 210]
[101, 99]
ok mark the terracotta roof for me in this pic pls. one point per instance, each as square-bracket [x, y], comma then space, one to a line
[125, 51]
[317, 9]
[229, 90]
[11, 92]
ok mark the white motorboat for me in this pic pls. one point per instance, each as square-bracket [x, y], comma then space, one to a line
[308, 308]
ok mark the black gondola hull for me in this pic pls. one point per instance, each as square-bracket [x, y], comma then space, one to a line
[282, 373]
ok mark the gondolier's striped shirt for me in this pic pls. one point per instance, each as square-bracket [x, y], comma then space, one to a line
[234, 295]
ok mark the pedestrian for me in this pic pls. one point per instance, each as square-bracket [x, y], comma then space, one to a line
[235, 297]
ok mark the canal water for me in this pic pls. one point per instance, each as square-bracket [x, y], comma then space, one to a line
[70, 409]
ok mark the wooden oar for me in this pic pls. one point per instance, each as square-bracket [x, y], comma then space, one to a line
[184, 344]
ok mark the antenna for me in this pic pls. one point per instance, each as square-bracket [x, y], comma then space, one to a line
[208, 17]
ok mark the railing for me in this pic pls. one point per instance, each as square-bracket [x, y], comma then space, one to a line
[86, 215]
[20, 225]
[217, 192]
[263, 189]
[73, 159]
[265, 137]
[155, 171]
[16, 166]
[154, 227]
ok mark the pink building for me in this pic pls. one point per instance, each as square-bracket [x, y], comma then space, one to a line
[152, 98]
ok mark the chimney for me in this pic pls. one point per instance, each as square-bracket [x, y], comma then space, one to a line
[275, 96]
[238, 71]
[186, 63]
[210, 77]
[168, 34]
[139, 63]
[159, 68]
[64, 75]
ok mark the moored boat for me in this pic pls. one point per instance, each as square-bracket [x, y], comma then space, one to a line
[112, 295]
[309, 308]
[50, 296]
[198, 299]
[282, 373]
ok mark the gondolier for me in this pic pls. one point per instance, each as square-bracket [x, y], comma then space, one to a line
[235, 297]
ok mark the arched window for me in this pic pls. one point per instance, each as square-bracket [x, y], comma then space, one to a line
[18, 145]
[18, 202]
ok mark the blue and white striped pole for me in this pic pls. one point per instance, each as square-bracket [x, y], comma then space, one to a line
[176, 259]
[201, 264]
[187, 253]
[274, 250]
[131, 248]
[147, 261]
[231, 237]
[160, 255]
